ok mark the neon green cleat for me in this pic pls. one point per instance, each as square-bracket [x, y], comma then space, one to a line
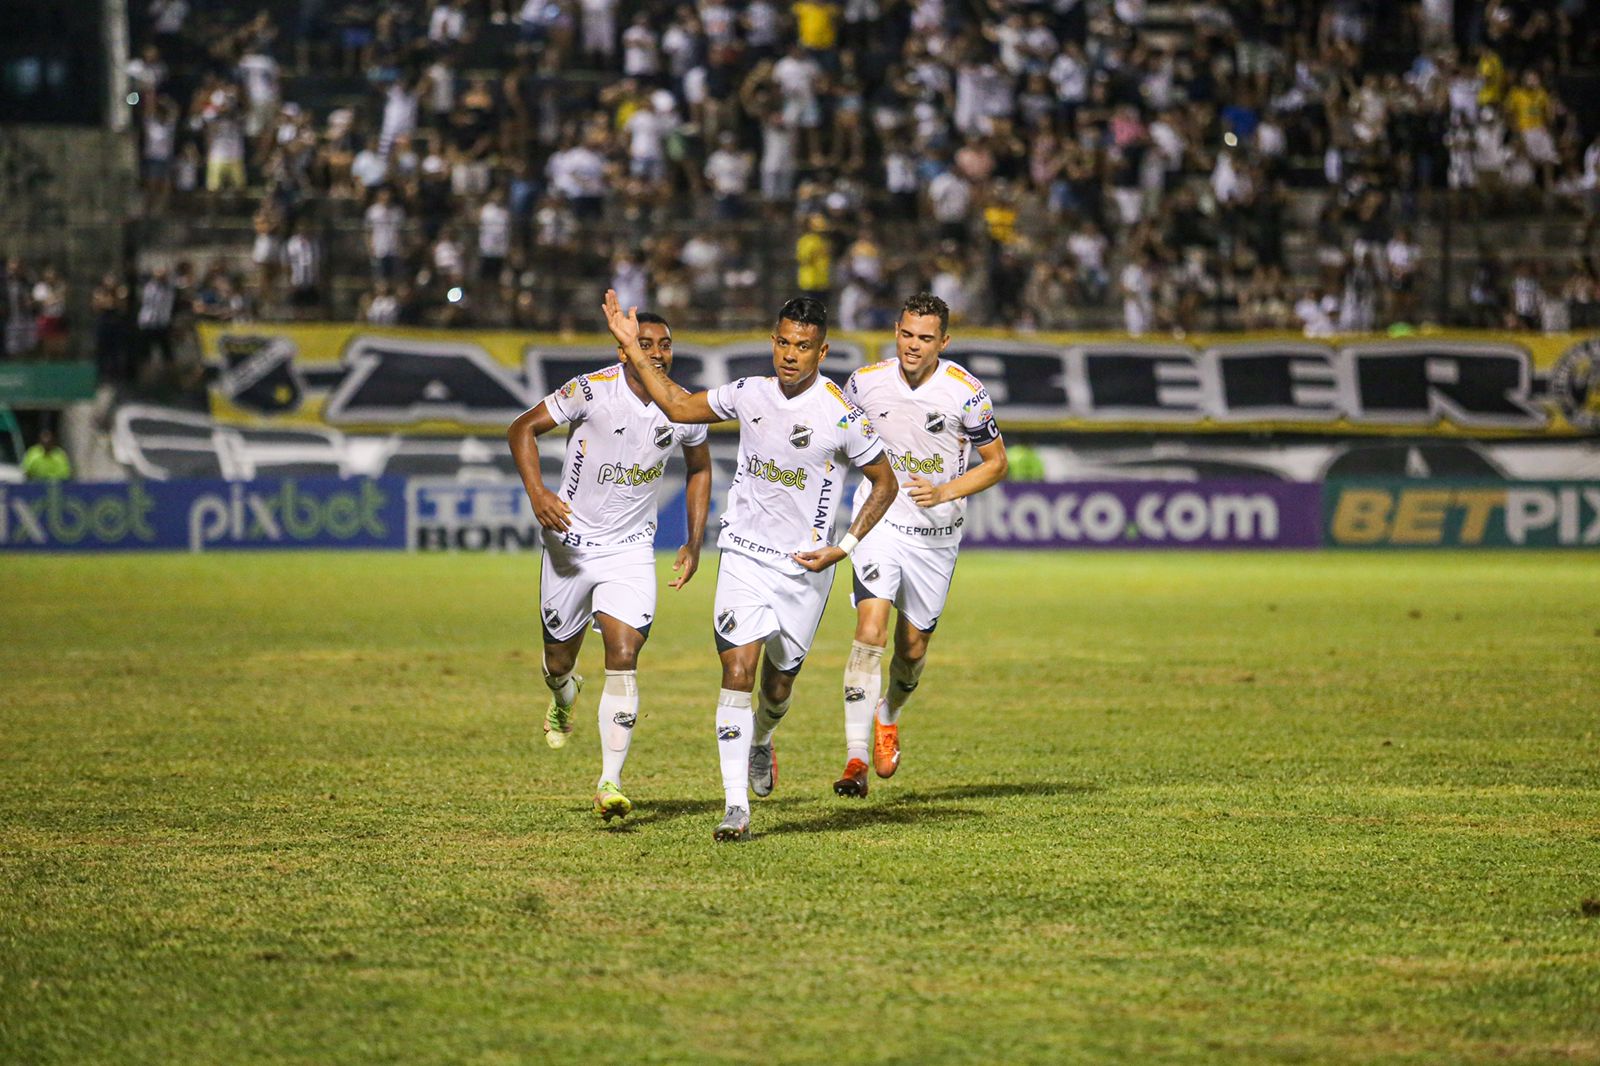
[558, 719]
[609, 802]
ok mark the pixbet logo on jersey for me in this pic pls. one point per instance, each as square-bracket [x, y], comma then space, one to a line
[768, 470]
[617, 474]
[910, 464]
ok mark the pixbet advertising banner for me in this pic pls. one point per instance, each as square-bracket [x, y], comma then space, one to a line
[1471, 514]
[204, 515]
[1471, 384]
[1123, 514]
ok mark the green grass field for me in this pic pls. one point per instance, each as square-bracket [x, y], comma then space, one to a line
[1202, 808]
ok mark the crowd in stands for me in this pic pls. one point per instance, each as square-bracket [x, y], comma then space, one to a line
[1029, 162]
[33, 310]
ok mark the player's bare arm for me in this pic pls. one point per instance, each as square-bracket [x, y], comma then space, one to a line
[884, 488]
[698, 497]
[680, 404]
[551, 510]
[990, 470]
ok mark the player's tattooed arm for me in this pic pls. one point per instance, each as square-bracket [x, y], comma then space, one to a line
[551, 510]
[698, 498]
[884, 487]
[991, 470]
[680, 405]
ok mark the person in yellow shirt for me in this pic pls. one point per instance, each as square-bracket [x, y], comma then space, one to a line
[1493, 72]
[813, 253]
[817, 25]
[1532, 112]
[47, 460]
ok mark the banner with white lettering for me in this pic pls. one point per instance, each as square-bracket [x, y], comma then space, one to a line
[1147, 514]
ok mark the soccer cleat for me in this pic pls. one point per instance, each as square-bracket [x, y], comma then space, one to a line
[854, 781]
[558, 719]
[763, 768]
[609, 802]
[735, 825]
[885, 747]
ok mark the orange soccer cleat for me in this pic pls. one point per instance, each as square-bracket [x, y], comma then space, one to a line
[885, 748]
[854, 781]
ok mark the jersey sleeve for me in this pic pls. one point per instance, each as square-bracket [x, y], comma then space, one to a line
[852, 389]
[724, 399]
[692, 435]
[570, 403]
[861, 442]
[977, 418]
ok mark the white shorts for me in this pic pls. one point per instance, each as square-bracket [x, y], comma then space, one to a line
[756, 602]
[575, 586]
[914, 577]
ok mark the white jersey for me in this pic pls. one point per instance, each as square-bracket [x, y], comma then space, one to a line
[927, 431]
[617, 450]
[789, 481]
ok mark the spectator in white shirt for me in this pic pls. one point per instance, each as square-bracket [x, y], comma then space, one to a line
[385, 224]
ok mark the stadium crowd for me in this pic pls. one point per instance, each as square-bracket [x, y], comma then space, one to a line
[1030, 163]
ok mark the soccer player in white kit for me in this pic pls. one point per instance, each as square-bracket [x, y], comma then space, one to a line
[599, 531]
[927, 411]
[796, 435]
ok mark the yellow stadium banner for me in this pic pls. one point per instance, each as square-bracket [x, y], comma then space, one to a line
[1480, 384]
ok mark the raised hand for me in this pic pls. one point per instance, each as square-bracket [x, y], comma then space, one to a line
[624, 326]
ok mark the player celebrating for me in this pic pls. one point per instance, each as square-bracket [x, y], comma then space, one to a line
[772, 576]
[599, 532]
[927, 410]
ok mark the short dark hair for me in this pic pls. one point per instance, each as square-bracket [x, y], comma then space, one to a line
[926, 303]
[807, 311]
[651, 316]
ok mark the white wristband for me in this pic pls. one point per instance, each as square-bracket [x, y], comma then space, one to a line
[848, 544]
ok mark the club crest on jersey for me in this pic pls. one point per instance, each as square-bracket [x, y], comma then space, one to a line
[663, 436]
[726, 622]
[934, 422]
[869, 572]
[552, 619]
[800, 436]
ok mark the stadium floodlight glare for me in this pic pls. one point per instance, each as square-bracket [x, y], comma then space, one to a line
[454, 295]
[1230, 140]
[133, 99]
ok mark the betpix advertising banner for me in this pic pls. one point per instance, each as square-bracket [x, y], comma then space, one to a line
[1147, 514]
[1462, 383]
[1463, 514]
[204, 515]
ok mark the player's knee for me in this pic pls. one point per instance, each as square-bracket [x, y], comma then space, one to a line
[738, 677]
[871, 632]
[558, 660]
[624, 657]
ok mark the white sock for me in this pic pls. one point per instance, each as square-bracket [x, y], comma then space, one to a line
[768, 715]
[902, 683]
[735, 723]
[564, 687]
[862, 682]
[619, 710]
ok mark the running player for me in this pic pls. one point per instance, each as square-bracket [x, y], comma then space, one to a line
[599, 532]
[774, 572]
[927, 410]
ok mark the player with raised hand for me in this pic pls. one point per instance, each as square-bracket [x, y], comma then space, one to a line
[796, 430]
[928, 411]
[599, 534]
